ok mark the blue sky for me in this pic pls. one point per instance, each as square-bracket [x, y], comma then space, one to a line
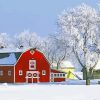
[38, 16]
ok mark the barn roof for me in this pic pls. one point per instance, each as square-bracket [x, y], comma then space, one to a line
[57, 71]
[9, 58]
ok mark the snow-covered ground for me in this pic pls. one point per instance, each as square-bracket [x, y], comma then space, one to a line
[49, 92]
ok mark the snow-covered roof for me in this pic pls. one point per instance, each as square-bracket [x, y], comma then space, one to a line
[9, 60]
[10, 50]
[53, 65]
[75, 64]
[66, 64]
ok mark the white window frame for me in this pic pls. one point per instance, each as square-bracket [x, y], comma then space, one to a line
[43, 72]
[1, 72]
[34, 65]
[9, 72]
[20, 72]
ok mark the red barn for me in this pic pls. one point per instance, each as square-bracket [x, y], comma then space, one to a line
[31, 66]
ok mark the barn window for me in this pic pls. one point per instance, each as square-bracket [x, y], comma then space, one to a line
[52, 74]
[63, 75]
[1, 73]
[43, 72]
[58, 74]
[20, 72]
[29, 74]
[9, 73]
[55, 75]
[32, 64]
[35, 75]
[32, 51]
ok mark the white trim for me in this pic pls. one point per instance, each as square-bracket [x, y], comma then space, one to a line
[33, 72]
[14, 74]
[31, 77]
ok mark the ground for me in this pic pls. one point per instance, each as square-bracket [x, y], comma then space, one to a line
[49, 91]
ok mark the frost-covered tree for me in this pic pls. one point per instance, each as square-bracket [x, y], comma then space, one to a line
[47, 46]
[27, 39]
[54, 50]
[79, 27]
[4, 40]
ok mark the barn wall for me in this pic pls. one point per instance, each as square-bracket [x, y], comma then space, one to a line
[23, 64]
[5, 78]
[59, 79]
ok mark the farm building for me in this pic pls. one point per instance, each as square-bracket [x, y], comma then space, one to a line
[27, 67]
[66, 67]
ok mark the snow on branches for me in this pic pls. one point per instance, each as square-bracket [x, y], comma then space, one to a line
[80, 27]
[27, 39]
[4, 40]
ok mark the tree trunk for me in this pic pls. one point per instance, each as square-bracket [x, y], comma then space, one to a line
[86, 76]
[91, 73]
[58, 65]
[84, 73]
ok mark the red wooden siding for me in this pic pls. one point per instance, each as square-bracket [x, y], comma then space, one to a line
[5, 77]
[23, 64]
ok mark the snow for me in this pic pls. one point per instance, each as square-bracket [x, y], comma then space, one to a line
[80, 82]
[66, 64]
[74, 63]
[49, 92]
[98, 65]
[10, 50]
[8, 60]
[79, 74]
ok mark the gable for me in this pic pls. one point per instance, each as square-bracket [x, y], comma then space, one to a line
[27, 55]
